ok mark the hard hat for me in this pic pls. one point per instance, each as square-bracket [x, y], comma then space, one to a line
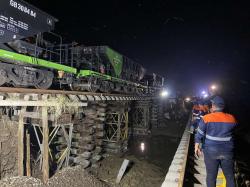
[218, 101]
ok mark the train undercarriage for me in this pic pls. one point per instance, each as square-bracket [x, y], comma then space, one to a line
[94, 84]
[25, 76]
[17, 75]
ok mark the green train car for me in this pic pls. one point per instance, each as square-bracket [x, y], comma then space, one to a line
[32, 56]
[101, 68]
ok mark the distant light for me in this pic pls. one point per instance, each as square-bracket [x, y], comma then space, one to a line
[203, 92]
[213, 87]
[188, 99]
[205, 96]
[142, 146]
[164, 93]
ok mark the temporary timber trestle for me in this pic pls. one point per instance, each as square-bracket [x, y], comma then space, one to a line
[41, 107]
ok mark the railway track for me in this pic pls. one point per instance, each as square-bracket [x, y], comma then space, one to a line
[84, 95]
[42, 91]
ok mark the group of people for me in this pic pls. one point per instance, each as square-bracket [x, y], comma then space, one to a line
[200, 108]
[213, 131]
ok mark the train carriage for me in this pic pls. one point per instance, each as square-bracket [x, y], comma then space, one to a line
[32, 56]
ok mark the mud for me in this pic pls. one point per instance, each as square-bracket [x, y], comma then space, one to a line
[139, 173]
[148, 167]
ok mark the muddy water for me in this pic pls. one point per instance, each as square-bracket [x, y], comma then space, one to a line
[158, 150]
[161, 145]
[148, 165]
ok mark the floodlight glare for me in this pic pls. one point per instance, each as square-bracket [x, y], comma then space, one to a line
[213, 87]
[164, 93]
[205, 96]
[142, 146]
[188, 99]
[203, 92]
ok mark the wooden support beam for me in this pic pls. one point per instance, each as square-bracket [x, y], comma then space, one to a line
[20, 143]
[118, 138]
[122, 171]
[28, 170]
[37, 115]
[39, 103]
[0, 161]
[45, 153]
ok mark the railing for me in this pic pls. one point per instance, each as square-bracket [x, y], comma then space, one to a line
[176, 171]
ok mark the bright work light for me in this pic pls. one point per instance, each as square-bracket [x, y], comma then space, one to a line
[213, 87]
[164, 93]
[142, 146]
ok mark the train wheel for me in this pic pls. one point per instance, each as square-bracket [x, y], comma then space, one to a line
[93, 84]
[117, 87]
[74, 87]
[93, 88]
[3, 77]
[46, 81]
[133, 89]
[125, 89]
[105, 87]
[111, 87]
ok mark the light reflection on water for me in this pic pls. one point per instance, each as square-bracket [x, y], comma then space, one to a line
[158, 150]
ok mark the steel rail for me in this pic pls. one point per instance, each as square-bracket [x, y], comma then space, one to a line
[42, 91]
[78, 95]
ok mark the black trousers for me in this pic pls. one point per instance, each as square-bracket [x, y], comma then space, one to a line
[215, 158]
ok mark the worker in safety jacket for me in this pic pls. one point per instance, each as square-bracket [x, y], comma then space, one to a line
[202, 109]
[215, 130]
[198, 112]
[206, 107]
[195, 110]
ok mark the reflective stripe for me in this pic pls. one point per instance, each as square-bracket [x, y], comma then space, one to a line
[218, 138]
[197, 118]
[200, 131]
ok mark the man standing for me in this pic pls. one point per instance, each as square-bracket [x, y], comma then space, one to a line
[195, 115]
[215, 130]
[198, 112]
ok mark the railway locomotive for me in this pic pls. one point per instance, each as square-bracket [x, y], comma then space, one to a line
[32, 56]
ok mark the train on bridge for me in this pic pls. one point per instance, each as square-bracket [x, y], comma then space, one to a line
[31, 55]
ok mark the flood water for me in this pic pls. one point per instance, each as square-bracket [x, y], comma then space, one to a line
[161, 145]
[158, 150]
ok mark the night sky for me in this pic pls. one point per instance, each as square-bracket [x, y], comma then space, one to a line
[191, 43]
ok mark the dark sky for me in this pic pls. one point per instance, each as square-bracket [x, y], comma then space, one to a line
[192, 42]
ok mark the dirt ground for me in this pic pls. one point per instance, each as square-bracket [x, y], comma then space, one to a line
[8, 148]
[140, 173]
[68, 177]
[74, 177]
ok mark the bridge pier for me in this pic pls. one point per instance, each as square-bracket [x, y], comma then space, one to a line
[68, 128]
